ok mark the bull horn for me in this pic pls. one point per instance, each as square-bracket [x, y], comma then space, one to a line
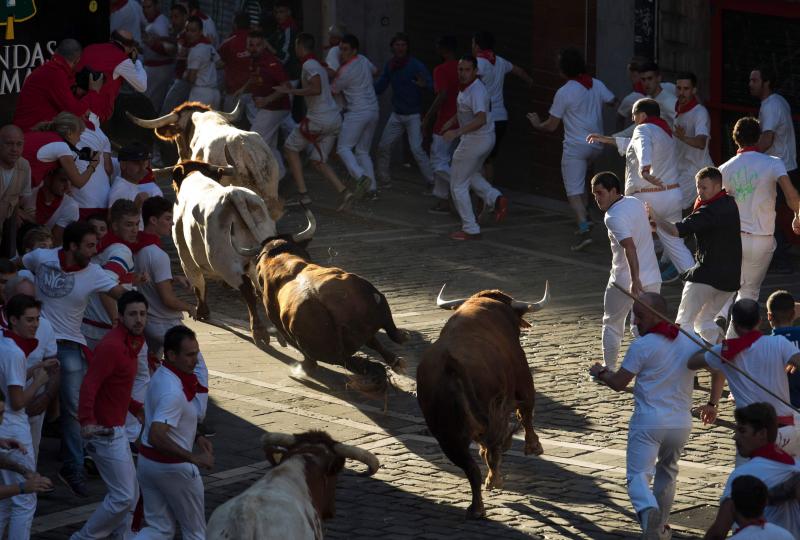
[244, 252]
[307, 234]
[234, 115]
[358, 454]
[170, 118]
[277, 439]
[535, 306]
[448, 304]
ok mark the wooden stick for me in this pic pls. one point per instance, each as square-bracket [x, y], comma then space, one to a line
[702, 345]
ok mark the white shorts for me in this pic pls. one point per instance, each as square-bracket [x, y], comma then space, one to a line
[325, 135]
[575, 162]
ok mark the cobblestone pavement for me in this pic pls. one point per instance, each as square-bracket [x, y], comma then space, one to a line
[575, 490]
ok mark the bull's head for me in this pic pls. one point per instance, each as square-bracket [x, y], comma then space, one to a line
[290, 241]
[519, 306]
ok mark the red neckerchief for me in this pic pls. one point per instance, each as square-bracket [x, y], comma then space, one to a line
[149, 177]
[660, 122]
[698, 203]
[288, 23]
[310, 56]
[639, 88]
[203, 39]
[89, 124]
[744, 149]
[45, 211]
[489, 55]
[691, 104]
[772, 452]
[191, 386]
[64, 266]
[118, 5]
[111, 238]
[147, 239]
[462, 87]
[27, 345]
[732, 347]
[584, 79]
[663, 328]
[396, 63]
[760, 523]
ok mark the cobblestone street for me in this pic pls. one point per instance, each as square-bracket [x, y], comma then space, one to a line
[575, 490]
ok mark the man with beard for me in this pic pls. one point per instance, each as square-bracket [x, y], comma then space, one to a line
[692, 132]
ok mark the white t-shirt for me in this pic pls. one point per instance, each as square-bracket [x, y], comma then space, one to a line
[493, 77]
[767, 531]
[752, 178]
[662, 392]
[322, 108]
[13, 367]
[165, 402]
[627, 218]
[775, 115]
[122, 189]
[472, 100]
[94, 193]
[581, 110]
[690, 159]
[765, 361]
[66, 213]
[117, 263]
[203, 58]
[46, 348]
[64, 295]
[354, 81]
[151, 188]
[52, 151]
[666, 102]
[129, 17]
[155, 262]
[332, 58]
[650, 145]
[772, 473]
[626, 104]
[159, 27]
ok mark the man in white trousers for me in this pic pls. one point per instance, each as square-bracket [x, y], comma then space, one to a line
[159, 64]
[661, 419]
[168, 469]
[692, 133]
[633, 260]
[477, 139]
[651, 175]
[104, 402]
[354, 82]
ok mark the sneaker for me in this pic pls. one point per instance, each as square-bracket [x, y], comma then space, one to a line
[669, 274]
[584, 239]
[75, 482]
[442, 207]
[361, 186]
[461, 235]
[205, 430]
[345, 201]
[584, 227]
[297, 200]
[500, 208]
[91, 467]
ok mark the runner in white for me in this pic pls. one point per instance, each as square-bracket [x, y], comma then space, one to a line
[661, 419]
[750, 497]
[476, 131]
[755, 437]
[637, 92]
[158, 62]
[765, 359]
[633, 260]
[201, 64]
[168, 473]
[134, 166]
[579, 103]
[692, 133]
[53, 208]
[354, 82]
[663, 93]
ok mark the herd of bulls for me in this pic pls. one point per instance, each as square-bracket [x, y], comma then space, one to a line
[470, 381]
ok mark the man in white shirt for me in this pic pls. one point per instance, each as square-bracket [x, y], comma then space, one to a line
[663, 93]
[633, 259]
[752, 177]
[65, 278]
[53, 208]
[128, 16]
[157, 53]
[92, 196]
[755, 436]
[692, 133]
[201, 64]
[625, 107]
[168, 473]
[318, 130]
[750, 497]
[134, 163]
[333, 57]
[579, 103]
[651, 175]
[765, 359]
[476, 130]
[353, 82]
[661, 419]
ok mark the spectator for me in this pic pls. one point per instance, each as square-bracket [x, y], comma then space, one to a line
[157, 53]
[99, 224]
[53, 207]
[235, 56]
[209, 28]
[282, 40]
[178, 91]
[134, 166]
[333, 57]
[750, 496]
[93, 196]
[128, 16]
[201, 64]
[15, 173]
[781, 314]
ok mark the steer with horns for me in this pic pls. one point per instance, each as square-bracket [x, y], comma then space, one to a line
[202, 134]
[472, 378]
[292, 499]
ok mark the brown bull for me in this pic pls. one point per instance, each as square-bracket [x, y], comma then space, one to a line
[472, 378]
[324, 312]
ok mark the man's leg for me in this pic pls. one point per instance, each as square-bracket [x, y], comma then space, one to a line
[755, 263]
[296, 143]
[704, 322]
[616, 307]
[157, 511]
[467, 160]
[413, 125]
[693, 298]
[667, 205]
[352, 126]
[363, 147]
[73, 368]
[18, 510]
[391, 132]
[669, 453]
[573, 172]
[641, 455]
[267, 123]
[188, 504]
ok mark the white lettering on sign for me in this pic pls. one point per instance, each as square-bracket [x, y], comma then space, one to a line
[18, 60]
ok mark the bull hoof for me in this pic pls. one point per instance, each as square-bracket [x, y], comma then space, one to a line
[534, 448]
[493, 482]
[203, 313]
[476, 512]
[260, 337]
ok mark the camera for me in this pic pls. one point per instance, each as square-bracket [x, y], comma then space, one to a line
[85, 75]
[85, 154]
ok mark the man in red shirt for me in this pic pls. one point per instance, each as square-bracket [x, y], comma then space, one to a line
[443, 108]
[105, 400]
[47, 91]
[234, 55]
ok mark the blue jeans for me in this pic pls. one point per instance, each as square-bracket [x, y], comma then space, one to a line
[73, 368]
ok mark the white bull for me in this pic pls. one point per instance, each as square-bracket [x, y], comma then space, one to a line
[202, 134]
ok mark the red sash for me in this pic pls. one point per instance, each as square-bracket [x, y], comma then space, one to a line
[772, 452]
[663, 328]
[660, 122]
[191, 386]
[584, 79]
[732, 347]
[489, 55]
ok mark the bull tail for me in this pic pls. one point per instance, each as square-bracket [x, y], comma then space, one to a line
[395, 334]
[253, 212]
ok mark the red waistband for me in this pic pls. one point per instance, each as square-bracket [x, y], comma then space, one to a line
[158, 63]
[154, 455]
[786, 420]
[98, 324]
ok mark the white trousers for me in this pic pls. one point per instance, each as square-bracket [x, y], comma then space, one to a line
[267, 123]
[616, 307]
[173, 494]
[397, 124]
[700, 303]
[355, 141]
[204, 94]
[465, 174]
[756, 255]
[36, 423]
[667, 205]
[575, 161]
[114, 461]
[132, 425]
[441, 155]
[16, 513]
[159, 79]
[653, 454]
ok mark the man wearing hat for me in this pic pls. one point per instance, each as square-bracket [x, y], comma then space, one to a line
[134, 180]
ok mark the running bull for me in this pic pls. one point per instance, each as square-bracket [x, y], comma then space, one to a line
[325, 313]
[292, 499]
[202, 134]
[472, 378]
